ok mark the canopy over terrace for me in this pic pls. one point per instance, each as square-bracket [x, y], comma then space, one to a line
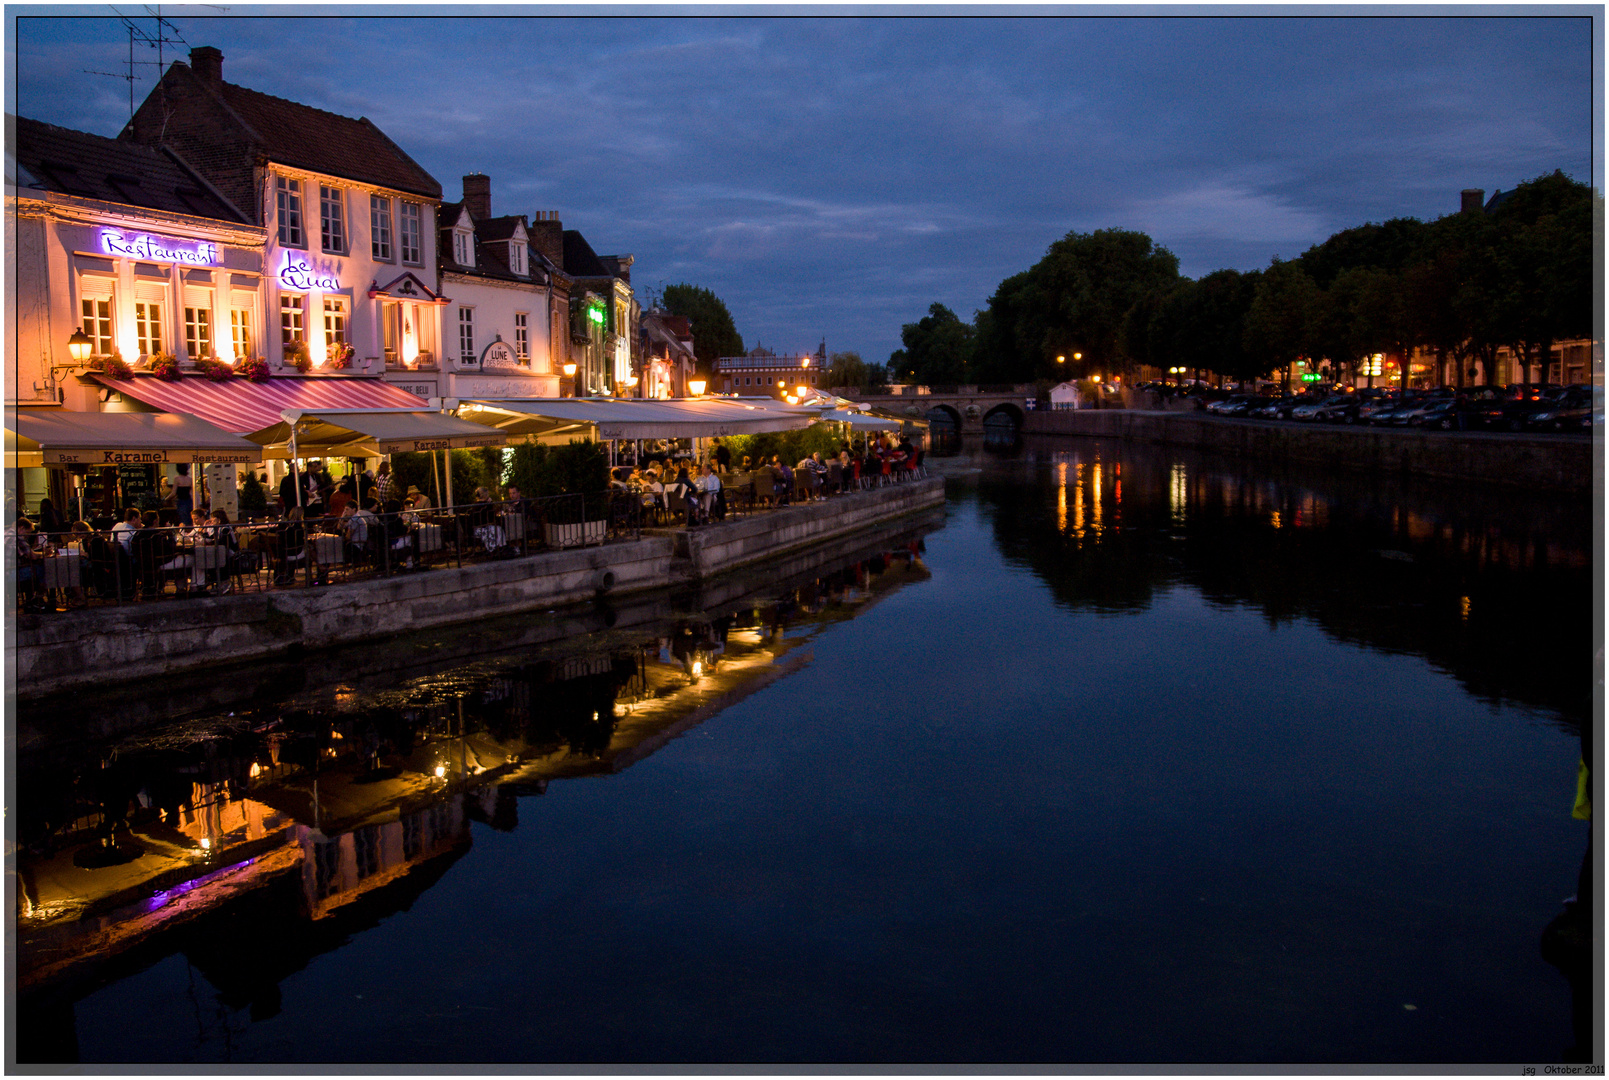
[242, 406]
[633, 418]
[369, 433]
[38, 437]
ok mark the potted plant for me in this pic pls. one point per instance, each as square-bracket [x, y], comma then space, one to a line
[165, 366]
[341, 356]
[296, 355]
[580, 470]
[214, 369]
[113, 365]
[255, 369]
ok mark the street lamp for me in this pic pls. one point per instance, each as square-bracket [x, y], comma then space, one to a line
[79, 345]
[569, 376]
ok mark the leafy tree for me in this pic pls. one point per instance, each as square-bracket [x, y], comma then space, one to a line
[938, 348]
[1281, 325]
[1390, 245]
[1092, 280]
[1546, 230]
[714, 334]
[848, 369]
[1010, 333]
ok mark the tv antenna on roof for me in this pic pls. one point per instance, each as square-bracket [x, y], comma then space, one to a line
[153, 40]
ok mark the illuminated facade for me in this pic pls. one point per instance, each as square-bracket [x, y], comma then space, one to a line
[763, 373]
[128, 244]
[349, 265]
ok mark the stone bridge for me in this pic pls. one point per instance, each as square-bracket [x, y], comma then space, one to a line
[971, 409]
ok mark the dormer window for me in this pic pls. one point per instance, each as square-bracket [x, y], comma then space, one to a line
[463, 249]
[516, 257]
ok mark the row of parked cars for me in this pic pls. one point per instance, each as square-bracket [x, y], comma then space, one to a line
[1497, 408]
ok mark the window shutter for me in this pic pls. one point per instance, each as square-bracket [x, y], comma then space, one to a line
[197, 298]
[150, 292]
[95, 288]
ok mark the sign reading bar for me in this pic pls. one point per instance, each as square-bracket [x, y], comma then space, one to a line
[158, 249]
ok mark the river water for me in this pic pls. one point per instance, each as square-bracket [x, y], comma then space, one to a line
[1133, 756]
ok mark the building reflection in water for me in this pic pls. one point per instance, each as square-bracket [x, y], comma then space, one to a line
[355, 802]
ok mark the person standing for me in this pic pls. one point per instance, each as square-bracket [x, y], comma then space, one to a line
[723, 457]
[184, 492]
[382, 484]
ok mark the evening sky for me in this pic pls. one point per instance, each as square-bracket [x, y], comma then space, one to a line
[830, 177]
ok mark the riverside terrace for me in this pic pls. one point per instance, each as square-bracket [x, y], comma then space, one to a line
[83, 567]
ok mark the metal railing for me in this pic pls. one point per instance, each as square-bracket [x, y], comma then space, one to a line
[155, 563]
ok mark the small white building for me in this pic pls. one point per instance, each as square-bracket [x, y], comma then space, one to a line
[1066, 396]
[506, 329]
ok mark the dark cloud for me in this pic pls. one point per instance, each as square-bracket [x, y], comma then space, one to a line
[832, 177]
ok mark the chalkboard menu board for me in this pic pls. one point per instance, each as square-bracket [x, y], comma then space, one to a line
[136, 481]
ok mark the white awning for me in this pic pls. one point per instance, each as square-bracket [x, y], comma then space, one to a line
[861, 421]
[58, 437]
[370, 432]
[634, 418]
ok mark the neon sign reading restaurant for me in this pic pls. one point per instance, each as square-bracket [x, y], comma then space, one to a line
[158, 249]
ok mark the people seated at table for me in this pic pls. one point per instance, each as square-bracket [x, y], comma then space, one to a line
[709, 492]
[354, 530]
[291, 547]
[345, 493]
[123, 532]
[26, 552]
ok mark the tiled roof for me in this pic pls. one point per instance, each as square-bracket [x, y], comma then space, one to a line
[491, 258]
[579, 259]
[319, 141]
[93, 167]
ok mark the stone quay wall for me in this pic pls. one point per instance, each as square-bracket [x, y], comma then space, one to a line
[54, 652]
[1562, 463]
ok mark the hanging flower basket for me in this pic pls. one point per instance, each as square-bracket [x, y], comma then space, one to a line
[255, 369]
[165, 366]
[341, 356]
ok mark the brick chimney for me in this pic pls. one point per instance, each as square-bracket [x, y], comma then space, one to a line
[478, 196]
[207, 63]
[547, 236]
[1473, 200]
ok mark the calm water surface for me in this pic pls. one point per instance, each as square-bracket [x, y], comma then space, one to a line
[1138, 758]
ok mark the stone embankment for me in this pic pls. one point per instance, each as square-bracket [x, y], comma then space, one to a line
[120, 643]
[1561, 463]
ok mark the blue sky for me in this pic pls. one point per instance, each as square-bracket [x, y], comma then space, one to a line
[830, 177]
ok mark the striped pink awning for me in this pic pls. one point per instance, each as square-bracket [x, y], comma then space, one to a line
[240, 405]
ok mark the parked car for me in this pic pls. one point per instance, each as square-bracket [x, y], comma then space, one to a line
[1372, 407]
[1222, 406]
[1439, 412]
[1308, 412]
[1571, 410]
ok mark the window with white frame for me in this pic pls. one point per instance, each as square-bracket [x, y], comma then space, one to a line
[409, 232]
[332, 220]
[380, 226]
[148, 326]
[334, 321]
[197, 331]
[466, 335]
[291, 308]
[288, 204]
[516, 257]
[522, 337]
[96, 306]
[463, 250]
[240, 332]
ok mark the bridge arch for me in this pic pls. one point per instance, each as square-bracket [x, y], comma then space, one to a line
[946, 417]
[1004, 421]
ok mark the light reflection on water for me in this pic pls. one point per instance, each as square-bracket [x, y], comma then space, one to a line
[1159, 760]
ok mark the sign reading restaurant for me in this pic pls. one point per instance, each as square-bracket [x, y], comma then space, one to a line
[148, 457]
[158, 248]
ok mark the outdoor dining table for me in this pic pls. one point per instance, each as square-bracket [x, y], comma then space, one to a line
[62, 571]
[327, 548]
[429, 535]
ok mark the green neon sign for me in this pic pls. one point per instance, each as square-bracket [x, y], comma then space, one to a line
[595, 314]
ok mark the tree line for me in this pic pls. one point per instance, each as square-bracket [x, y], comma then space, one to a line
[1460, 287]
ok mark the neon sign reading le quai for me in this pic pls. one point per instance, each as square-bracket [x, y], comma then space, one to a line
[297, 274]
[158, 249]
